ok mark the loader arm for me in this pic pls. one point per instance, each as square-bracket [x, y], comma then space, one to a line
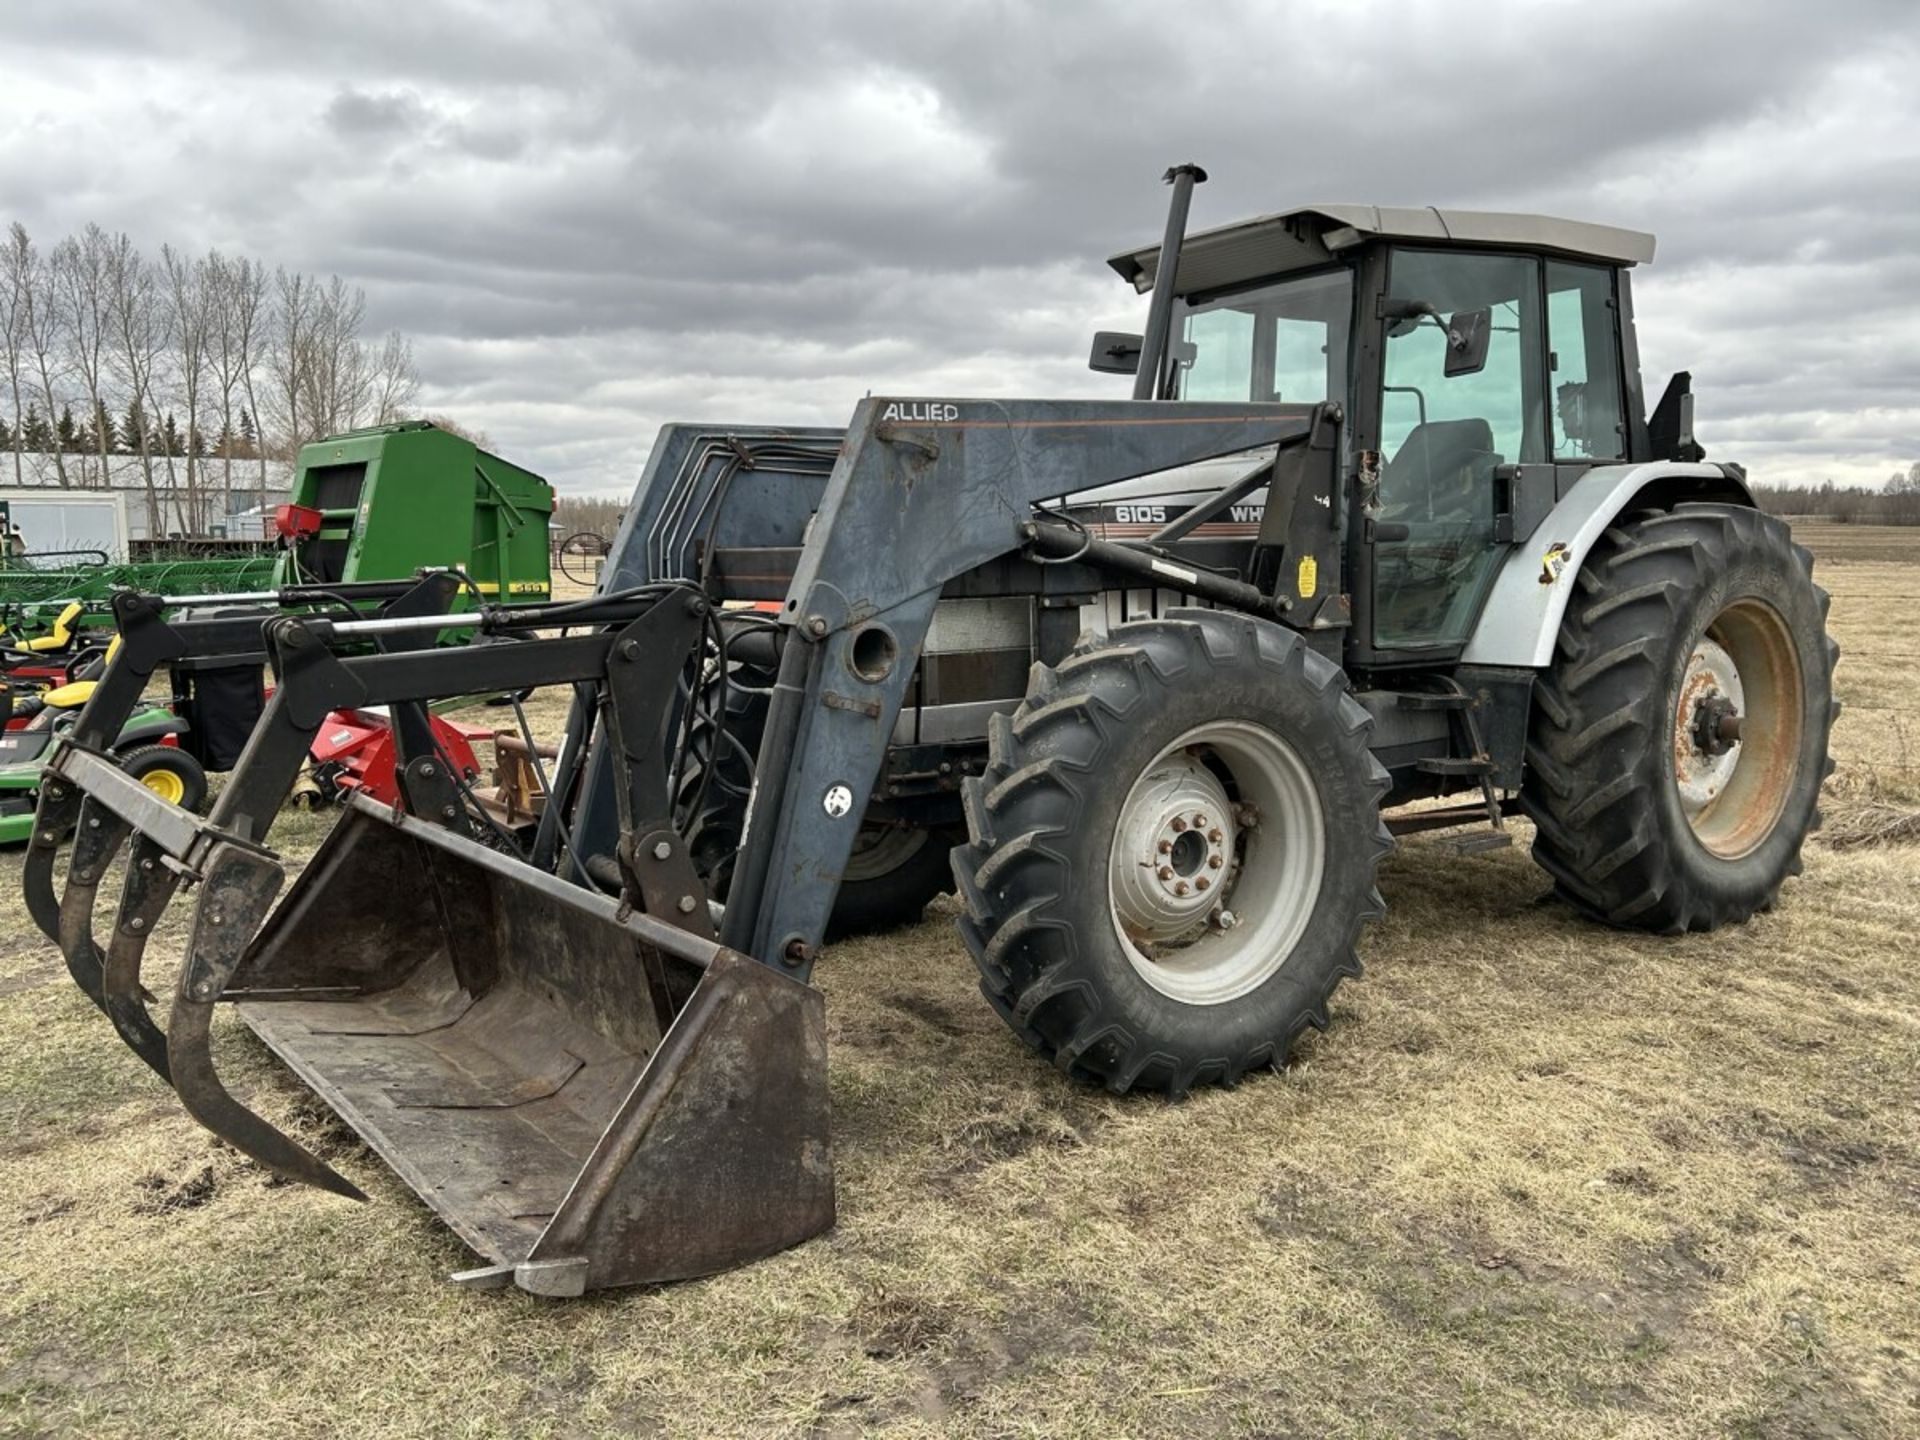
[923, 492]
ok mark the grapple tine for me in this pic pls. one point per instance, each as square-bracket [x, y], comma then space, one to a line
[55, 817]
[150, 886]
[236, 890]
[190, 1050]
[97, 838]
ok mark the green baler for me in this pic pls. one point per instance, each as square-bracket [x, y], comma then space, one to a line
[380, 503]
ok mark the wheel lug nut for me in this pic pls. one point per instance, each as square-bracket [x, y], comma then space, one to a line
[1199, 821]
[1165, 847]
[1203, 883]
[1165, 872]
[1179, 823]
[1181, 888]
[1214, 862]
[1216, 835]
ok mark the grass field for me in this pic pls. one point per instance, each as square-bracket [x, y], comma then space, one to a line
[1538, 1178]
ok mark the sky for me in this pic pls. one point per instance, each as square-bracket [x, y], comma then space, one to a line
[596, 218]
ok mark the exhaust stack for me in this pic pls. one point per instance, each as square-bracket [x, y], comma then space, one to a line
[1153, 346]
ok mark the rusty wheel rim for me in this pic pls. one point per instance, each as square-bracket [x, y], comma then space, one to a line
[1737, 724]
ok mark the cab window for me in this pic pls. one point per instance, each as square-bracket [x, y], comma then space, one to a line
[1583, 354]
[1284, 343]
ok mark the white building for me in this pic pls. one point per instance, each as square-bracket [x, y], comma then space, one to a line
[234, 498]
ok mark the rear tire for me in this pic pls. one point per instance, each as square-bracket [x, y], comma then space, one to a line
[1080, 942]
[1647, 815]
[170, 773]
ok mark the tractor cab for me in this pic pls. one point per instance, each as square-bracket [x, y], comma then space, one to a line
[1482, 363]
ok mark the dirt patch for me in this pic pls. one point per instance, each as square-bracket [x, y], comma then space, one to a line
[931, 1012]
[1011, 1127]
[321, 1129]
[1819, 1158]
[46, 1207]
[167, 1196]
[892, 1324]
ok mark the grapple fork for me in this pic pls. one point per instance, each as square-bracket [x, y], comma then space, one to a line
[589, 1094]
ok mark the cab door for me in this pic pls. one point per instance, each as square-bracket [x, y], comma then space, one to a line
[1463, 378]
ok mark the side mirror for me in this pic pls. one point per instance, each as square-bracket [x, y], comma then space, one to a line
[1115, 353]
[1468, 334]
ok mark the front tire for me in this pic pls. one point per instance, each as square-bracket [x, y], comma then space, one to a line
[1679, 740]
[1173, 849]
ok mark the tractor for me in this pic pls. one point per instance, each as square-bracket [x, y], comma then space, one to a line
[1385, 540]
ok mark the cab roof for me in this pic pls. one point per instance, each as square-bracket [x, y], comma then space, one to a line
[1316, 234]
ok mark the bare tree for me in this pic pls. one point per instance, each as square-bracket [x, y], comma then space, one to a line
[223, 360]
[336, 374]
[396, 383]
[243, 327]
[81, 270]
[41, 331]
[218, 341]
[140, 338]
[189, 304]
[13, 327]
[289, 343]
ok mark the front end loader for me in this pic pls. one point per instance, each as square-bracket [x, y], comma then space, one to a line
[1158, 672]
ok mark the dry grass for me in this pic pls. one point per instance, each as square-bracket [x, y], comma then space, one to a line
[1539, 1178]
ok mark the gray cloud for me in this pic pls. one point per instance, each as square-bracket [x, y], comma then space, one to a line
[356, 114]
[595, 219]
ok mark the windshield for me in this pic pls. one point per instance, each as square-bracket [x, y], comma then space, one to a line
[1281, 343]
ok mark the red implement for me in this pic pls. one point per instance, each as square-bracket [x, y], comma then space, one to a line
[354, 753]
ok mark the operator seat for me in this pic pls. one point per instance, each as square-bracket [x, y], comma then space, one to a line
[1443, 471]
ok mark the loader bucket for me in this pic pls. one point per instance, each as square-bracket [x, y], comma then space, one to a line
[588, 1096]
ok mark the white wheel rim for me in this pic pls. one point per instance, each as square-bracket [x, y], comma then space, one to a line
[1232, 805]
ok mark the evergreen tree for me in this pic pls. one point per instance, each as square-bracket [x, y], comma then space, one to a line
[131, 430]
[170, 437]
[196, 442]
[226, 446]
[6, 434]
[35, 434]
[66, 432]
[249, 435]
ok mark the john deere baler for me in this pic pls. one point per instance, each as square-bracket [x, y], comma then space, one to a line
[383, 502]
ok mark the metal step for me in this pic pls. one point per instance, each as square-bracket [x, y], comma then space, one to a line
[1431, 700]
[1456, 765]
[1479, 842]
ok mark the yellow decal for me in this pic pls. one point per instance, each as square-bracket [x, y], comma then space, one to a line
[1553, 562]
[1309, 577]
